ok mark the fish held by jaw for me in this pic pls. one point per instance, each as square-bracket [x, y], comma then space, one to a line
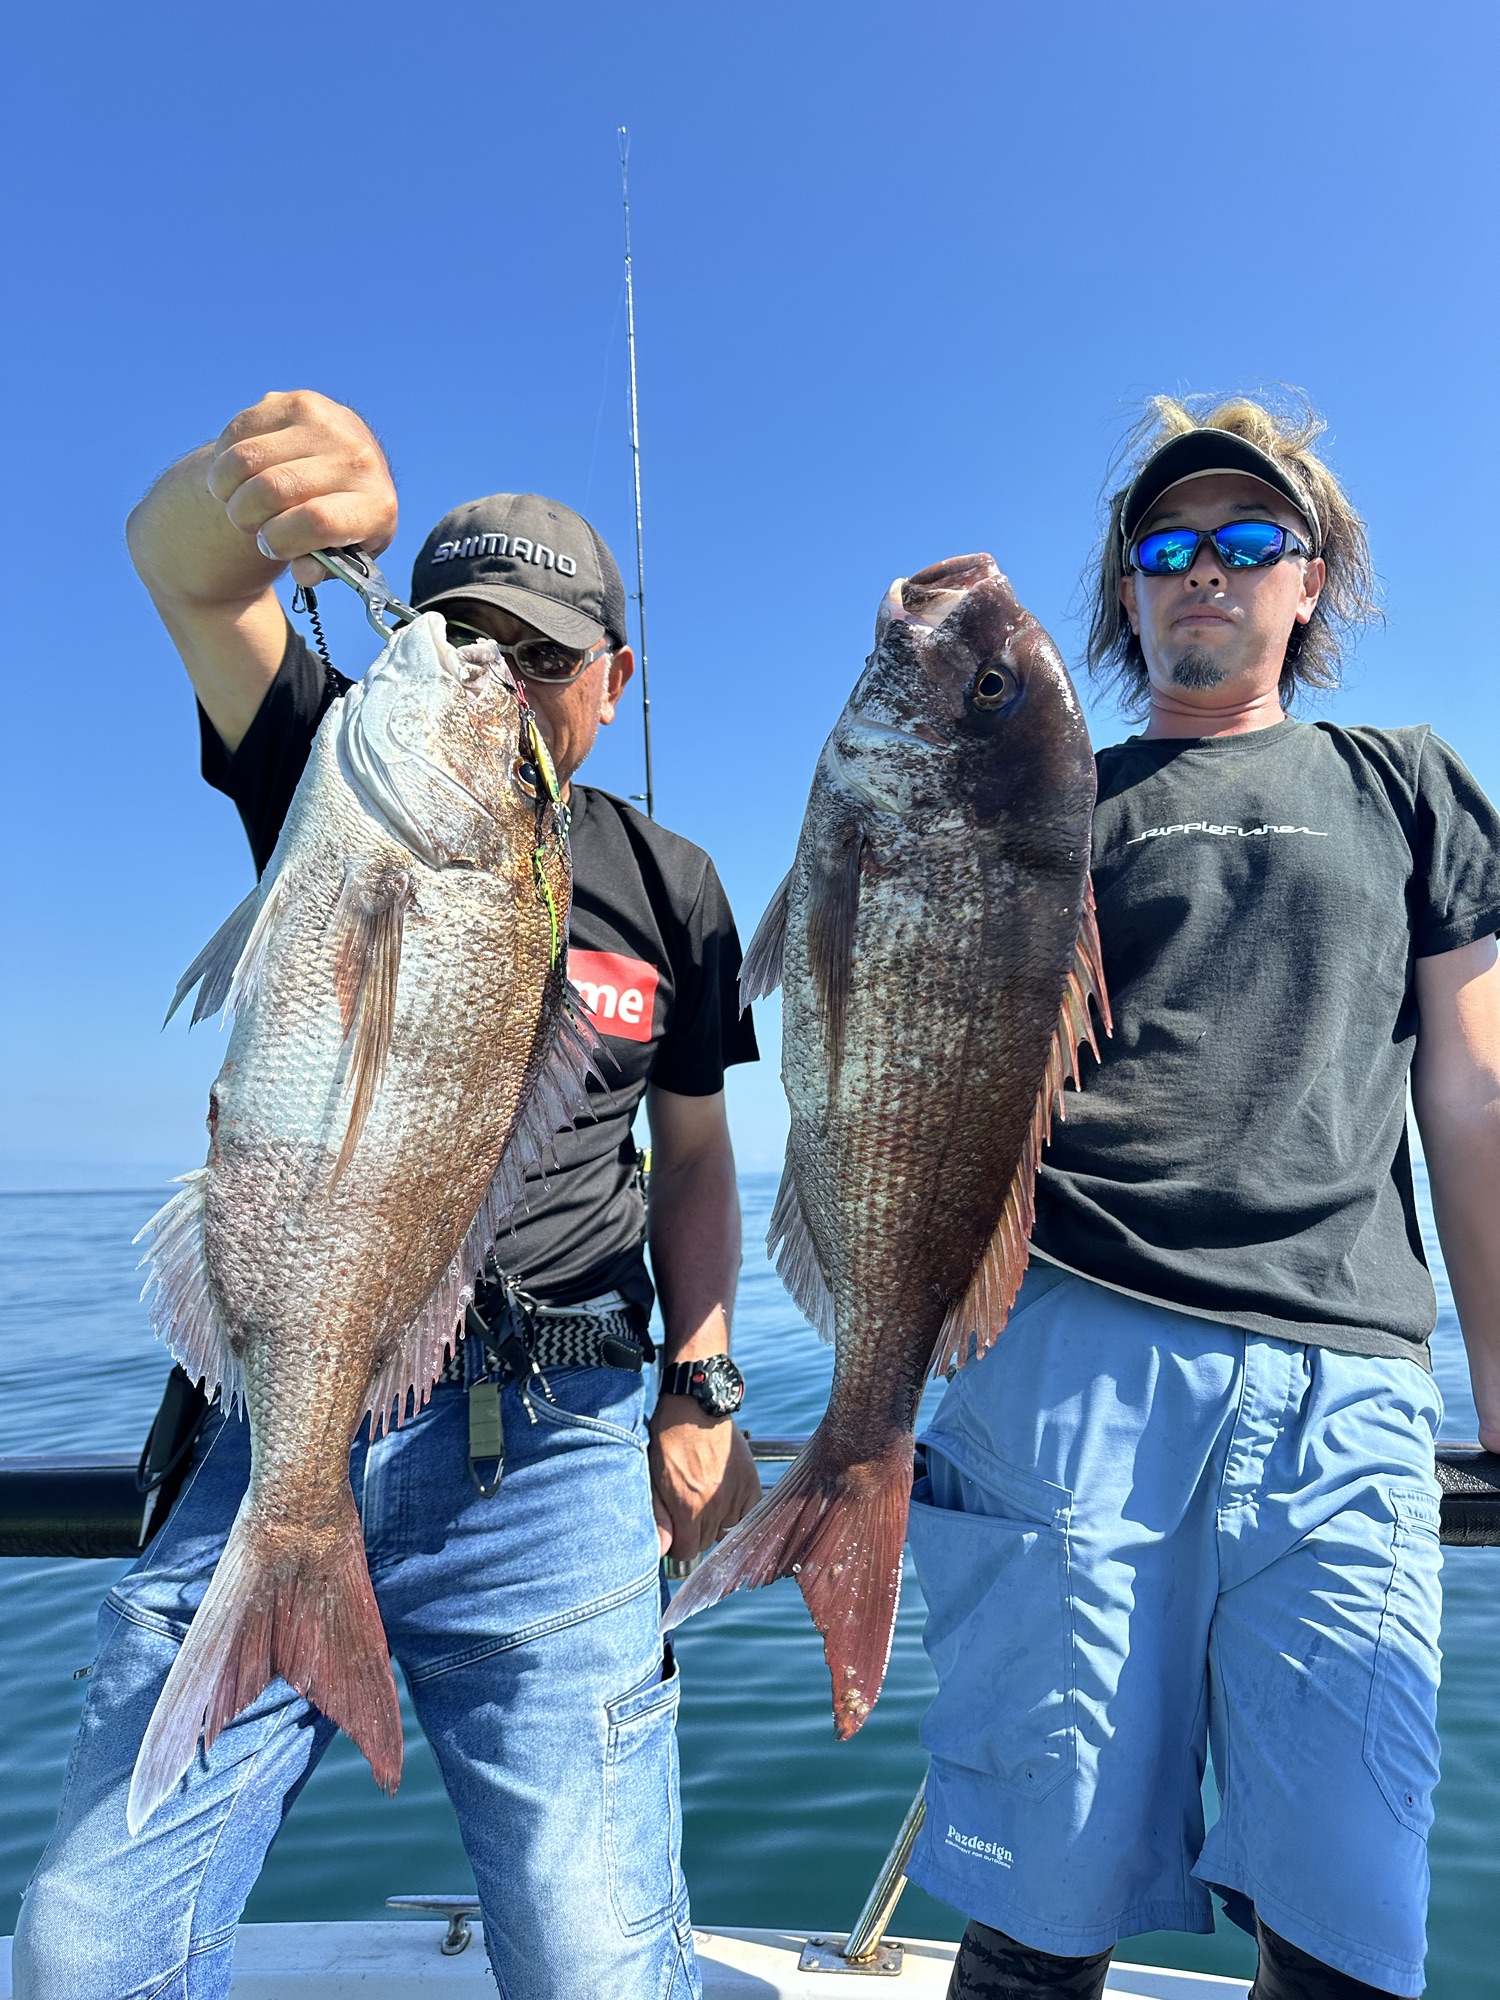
[937, 953]
[404, 1050]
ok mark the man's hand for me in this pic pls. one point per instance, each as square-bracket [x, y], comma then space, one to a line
[298, 472]
[295, 472]
[703, 1478]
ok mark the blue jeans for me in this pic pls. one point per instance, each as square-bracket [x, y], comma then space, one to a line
[527, 1628]
[1141, 1533]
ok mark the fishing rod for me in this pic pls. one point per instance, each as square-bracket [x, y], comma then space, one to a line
[387, 613]
[635, 454]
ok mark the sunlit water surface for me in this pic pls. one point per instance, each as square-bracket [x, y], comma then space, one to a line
[782, 1825]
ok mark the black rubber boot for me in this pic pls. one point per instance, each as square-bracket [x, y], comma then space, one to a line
[991, 1966]
[1289, 1973]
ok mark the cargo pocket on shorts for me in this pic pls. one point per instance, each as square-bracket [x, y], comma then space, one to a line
[1401, 1739]
[641, 1831]
[993, 1566]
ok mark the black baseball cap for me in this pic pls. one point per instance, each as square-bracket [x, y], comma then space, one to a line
[528, 555]
[1194, 455]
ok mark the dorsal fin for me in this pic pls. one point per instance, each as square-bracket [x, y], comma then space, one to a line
[761, 972]
[557, 1098]
[977, 1320]
[371, 914]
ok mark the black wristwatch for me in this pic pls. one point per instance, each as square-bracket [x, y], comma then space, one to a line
[715, 1384]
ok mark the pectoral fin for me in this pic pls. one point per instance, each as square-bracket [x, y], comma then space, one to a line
[978, 1319]
[833, 914]
[371, 915]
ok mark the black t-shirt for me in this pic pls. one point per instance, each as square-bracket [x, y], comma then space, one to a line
[652, 949]
[1241, 1151]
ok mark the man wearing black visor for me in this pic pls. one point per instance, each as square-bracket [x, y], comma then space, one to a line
[1188, 1500]
[515, 1524]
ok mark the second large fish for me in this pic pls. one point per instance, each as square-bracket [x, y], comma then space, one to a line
[936, 946]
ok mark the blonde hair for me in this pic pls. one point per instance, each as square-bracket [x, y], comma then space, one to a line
[1315, 651]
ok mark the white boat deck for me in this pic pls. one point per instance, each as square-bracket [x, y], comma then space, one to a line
[401, 1960]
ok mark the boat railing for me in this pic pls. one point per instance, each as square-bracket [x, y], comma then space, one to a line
[92, 1505]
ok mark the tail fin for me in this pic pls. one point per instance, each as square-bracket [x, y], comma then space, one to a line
[307, 1614]
[839, 1529]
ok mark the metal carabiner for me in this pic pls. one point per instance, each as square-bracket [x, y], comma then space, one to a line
[362, 573]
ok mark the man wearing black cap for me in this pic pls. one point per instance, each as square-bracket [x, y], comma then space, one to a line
[514, 1526]
[1189, 1498]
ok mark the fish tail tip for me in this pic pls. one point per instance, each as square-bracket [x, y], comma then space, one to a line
[309, 1617]
[850, 1714]
[165, 1757]
[839, 1529]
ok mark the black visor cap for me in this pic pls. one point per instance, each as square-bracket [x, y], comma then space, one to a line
[1195, 454]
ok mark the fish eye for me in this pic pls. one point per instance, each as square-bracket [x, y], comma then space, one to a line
[991, 686]
[526, 775]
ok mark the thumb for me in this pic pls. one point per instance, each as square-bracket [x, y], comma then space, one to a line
[664, 1528]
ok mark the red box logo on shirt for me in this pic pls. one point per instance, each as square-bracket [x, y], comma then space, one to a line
[618, 993]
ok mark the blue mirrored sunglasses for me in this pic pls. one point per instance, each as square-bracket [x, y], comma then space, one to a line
[1240, 545]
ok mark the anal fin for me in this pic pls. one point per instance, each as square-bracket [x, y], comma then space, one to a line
[790, 1247]
[182, 1306]
[975, 1323]
[371, 916]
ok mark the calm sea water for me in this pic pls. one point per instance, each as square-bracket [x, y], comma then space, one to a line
[782, 1825]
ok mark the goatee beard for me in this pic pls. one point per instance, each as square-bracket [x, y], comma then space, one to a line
[1197, 669]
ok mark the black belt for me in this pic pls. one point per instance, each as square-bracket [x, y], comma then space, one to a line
[516, 1340]
[551, 1336]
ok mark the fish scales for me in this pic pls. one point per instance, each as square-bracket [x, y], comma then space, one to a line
[402, 1052]
[935, 948]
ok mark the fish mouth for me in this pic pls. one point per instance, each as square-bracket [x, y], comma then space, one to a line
[956, 573]
[920, 735]
[927, 598]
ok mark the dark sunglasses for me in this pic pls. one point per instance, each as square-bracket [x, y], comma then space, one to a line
[1240, 544]
[534, 659]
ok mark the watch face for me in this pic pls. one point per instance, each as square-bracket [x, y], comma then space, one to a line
[723, 1386]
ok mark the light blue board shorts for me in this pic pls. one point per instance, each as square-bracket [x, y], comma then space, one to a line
[1138, 1533]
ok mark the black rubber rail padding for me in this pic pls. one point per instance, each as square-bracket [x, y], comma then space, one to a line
[91, 1506]
[1470, 1479]
[60, 1506]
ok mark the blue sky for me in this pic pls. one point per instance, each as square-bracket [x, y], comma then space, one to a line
[904, 276]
